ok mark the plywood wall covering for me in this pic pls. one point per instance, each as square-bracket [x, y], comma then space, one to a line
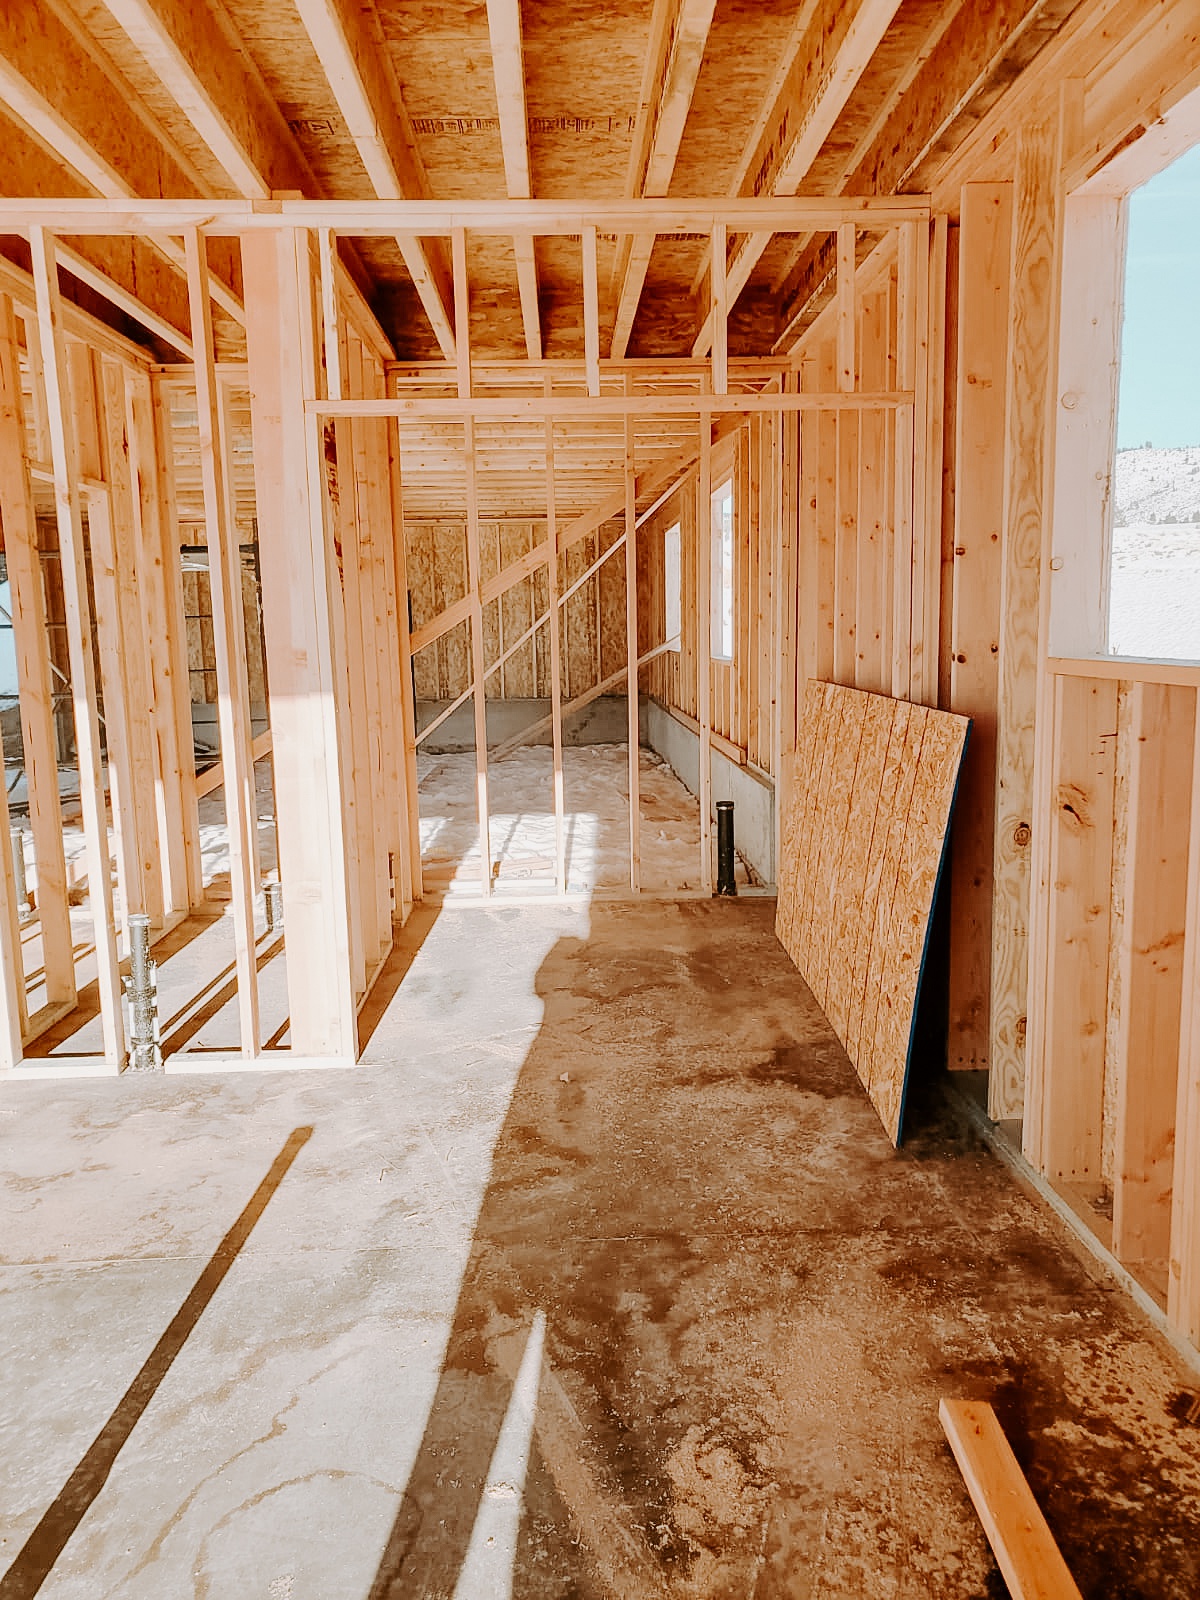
[593, 617]
[867, 808]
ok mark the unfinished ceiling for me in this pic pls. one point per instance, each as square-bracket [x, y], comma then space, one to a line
[401, 99]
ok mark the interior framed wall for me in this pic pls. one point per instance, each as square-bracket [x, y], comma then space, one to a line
[328, 413]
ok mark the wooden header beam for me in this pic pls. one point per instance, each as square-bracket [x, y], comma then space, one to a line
[516, 407]
[439, 218]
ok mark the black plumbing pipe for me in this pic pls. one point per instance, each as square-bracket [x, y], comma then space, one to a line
[726, 883]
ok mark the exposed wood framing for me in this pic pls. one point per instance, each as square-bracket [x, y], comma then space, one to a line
[985, 249]
[678, 35]
[412, 816]
[180, 811]
[632, 658]
[233, 695]
[703, 608]
[217, 90]
[47, 81]
[822, 77]
[576, 703]
[478, 665]
[1032, 344]
[591, 311]
[305, 659]
[439, 218]
[1162, 737]
[508, 68]
[34, 672]
[922, 493]
[383, 136]
[1068, 1138]
[560, 848]
[69, 513]
[13, 1015]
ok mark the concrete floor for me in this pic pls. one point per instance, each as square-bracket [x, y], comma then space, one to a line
[521, 807]
[196, 960]
[596, 1280]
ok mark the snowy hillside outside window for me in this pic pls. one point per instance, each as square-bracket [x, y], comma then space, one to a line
[1154, 587]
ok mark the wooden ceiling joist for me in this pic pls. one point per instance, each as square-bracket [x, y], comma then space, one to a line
[62, 87]
[969, 48]
[508, 69]
[77, 108]
[821, 79]
[782, 284]
[384, 139]
[80, 267]
[979, 54]
[678, 34]
[217, 91]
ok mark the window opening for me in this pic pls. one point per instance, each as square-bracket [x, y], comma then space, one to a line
[1154, 576]
[673, 584]
[721, 635]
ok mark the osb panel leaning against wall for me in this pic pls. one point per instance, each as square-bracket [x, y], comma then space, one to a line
[867, 811]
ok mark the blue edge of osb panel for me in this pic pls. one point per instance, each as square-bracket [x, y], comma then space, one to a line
[938, 887]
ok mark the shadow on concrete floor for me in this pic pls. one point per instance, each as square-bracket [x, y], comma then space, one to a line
[752, 1306]
[609, 1291]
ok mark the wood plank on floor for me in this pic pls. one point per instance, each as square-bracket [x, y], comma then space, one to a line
[1023, 1545]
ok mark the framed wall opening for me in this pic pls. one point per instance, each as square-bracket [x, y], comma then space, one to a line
[1154, 574]
[1112, 1103]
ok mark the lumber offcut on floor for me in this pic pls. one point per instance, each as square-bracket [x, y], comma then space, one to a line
[598, 1279]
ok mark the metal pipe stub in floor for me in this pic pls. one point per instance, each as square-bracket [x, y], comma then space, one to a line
[20, 881]
[142, 989]
[726, 882]
[273, 904]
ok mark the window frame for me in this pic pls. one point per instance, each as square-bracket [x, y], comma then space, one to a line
[1087, 391]
[673, 585]
[722, 605]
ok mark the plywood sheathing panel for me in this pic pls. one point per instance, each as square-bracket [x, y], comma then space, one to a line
[593, 617]
[864, 827]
